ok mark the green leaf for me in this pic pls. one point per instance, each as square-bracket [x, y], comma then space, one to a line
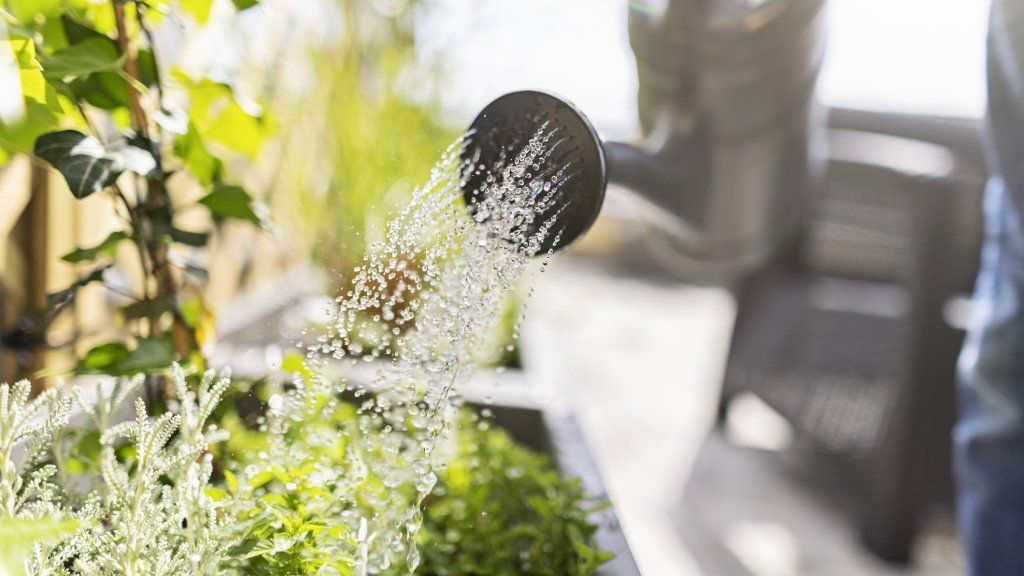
[87, 57]
[151, 354]
[32, 107]
[80, 158]
[295, 363]
[194, 239]
[19, 536]
[197, 159]
[244, 4]
[105, 90]
[103, 357]
[59, 298]
[147, 308]
[76, 32]
[220, 118]
[87, 166]
[12, 104]
[198, 9]
[27, 10]
[226, 201]
[106, 248]
[116, 359]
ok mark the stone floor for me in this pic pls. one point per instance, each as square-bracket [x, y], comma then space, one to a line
[640, 362]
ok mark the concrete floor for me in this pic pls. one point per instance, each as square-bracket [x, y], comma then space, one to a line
[640, 363]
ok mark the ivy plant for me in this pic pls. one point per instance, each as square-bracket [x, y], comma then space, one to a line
[91, 101]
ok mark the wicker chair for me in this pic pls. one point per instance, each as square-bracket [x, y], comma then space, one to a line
[856, 342]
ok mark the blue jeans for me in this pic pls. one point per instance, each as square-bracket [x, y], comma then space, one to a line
[989, 437]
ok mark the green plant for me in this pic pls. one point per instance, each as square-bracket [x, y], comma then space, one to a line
[499, 508]
[26, 487]
[365, 133]
[196, 491]
[149, 513]
[92, 102]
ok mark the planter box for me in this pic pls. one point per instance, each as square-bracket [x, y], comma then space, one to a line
[527, 412]
[561, 437]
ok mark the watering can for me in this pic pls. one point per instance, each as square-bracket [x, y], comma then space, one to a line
[729, 121]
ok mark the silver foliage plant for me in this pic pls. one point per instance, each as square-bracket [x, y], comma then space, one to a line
[147, 514]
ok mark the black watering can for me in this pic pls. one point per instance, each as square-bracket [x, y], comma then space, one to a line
[726, 102]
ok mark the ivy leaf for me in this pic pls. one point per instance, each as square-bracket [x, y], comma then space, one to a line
[220, 118]
[80, 158]
[200, 318]
[26, 10]
[150, 354]
[63, 296]
[87, 57]
[116, 359]
[87, 166]
[32, 107]
[105, 90]
[133, 156]
[12, 104]
[77, 32]
[197, 159]
[147, 308]
[226, 201]
[106, 248]
[103, 357]
[198, 9]
[194, 239]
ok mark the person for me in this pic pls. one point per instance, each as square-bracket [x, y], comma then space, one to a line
[989, 435]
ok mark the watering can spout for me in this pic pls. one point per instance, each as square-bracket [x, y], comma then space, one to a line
[670, 180]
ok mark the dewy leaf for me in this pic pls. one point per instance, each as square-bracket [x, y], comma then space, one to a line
[226, 201]
[106, 248]
[87, 57]
[87, 166]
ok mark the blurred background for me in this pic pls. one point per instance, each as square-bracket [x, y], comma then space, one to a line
[765, 376]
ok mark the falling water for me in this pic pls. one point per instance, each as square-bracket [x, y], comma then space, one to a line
[423, 301]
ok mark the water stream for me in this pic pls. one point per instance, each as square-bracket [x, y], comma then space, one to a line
[423, 303]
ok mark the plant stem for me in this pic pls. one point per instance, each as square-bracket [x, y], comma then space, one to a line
[157, 217]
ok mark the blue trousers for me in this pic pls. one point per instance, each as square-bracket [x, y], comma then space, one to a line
[989, 436]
